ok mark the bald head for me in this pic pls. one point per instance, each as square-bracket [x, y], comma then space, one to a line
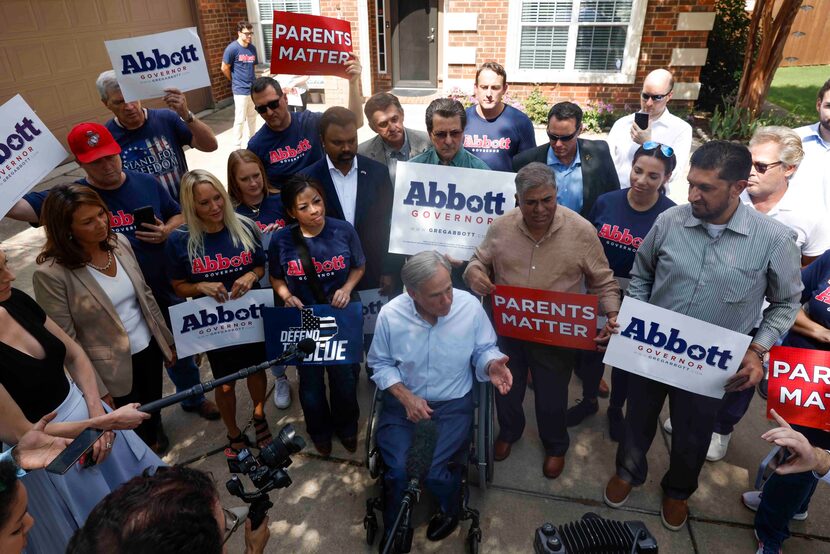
[659, 83]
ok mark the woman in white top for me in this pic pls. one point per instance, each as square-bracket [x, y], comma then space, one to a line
[90, 283]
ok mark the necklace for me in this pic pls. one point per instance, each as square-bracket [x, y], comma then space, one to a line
[104, 268]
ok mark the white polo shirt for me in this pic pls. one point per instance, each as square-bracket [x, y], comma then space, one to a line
[804, 216]
[813, 175]
[668, 129]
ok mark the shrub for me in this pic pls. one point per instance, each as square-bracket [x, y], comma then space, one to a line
[536, 106]
[597, 117]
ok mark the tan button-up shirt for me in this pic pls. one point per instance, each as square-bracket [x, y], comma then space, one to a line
[569, 255]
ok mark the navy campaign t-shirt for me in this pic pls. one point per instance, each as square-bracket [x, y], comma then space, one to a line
[221, 261]
[816, 294]
[270, 211]
[155, 148]
[287, 152]
[137, 191]
[334, 252]
[621, 228]
[242, 60]
[496, 141]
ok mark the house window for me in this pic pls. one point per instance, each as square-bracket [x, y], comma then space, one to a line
[266, 16]
[575, 40]
[380, 21]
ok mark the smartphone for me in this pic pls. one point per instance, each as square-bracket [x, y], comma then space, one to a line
[641, 119]
[74, 451]
[771, 461]
[144, 214]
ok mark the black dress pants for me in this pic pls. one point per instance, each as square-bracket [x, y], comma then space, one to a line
[147, 386]
[692, 418]
[551, 368]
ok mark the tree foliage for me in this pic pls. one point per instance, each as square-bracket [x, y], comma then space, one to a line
[721, 75]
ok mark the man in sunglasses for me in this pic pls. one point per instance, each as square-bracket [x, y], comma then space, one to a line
[663, 127]
[238, 66]
[812, 174]
[446, 120]
[716, 260]
[290, 142]
[583, 168]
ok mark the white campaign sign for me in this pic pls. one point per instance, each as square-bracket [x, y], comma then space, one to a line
[675, 349]
[28, 151]
[145, 66]
[372, 303]
[204, 324]
[445, 208]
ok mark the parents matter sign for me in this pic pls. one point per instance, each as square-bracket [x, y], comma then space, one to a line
[555, 318]
[145, 66]
[799, 386]
[204, 324]
[28, 151]
[338, 332]
[675, 349]
[310, 44]
[438, 207]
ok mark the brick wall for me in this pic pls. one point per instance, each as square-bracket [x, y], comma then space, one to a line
[659, 38]
[217, 21]
[337, 89]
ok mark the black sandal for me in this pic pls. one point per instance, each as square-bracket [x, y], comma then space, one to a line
[263, 433]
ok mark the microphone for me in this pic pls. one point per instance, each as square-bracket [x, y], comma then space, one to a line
[307, 346]
[419, 457]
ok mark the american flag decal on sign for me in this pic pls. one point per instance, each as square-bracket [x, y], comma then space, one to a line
[326, 325]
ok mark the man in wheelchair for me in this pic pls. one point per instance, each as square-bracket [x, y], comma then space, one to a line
[426, 343]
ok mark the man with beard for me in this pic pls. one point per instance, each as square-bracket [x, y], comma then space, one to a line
[812, 176]
[716, 260]
[358, 190]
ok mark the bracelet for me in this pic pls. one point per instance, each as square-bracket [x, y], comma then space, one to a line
[256, 277]
[757, 353]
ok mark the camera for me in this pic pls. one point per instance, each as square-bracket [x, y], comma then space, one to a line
[593, 533]
[267, 472]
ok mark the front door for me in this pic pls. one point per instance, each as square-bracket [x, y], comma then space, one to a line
[414, 43]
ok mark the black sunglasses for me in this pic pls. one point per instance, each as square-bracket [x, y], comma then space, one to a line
[562, 138]
[762, 168]
[655, 97]
[272, 105]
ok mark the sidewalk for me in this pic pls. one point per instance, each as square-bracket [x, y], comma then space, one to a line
[322, 511]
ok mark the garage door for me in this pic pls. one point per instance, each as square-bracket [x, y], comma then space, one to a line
[51, 52]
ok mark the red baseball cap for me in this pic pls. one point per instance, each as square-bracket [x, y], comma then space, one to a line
[91, 141]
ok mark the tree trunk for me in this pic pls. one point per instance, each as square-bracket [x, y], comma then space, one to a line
[764, 50]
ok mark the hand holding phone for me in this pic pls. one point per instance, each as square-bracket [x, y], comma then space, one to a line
[82, 444]
[145, 214]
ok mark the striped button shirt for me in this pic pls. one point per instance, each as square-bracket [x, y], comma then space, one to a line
[723, 280]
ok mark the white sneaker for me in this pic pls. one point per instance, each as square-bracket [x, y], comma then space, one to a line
[752, 499]
[717, 446]
[282, 393]
[667, 425]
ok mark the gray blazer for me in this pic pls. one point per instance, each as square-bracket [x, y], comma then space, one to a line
[373, 148]
[78, 304]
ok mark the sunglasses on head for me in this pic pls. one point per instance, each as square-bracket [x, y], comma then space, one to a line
[562, 138]
[762, 168]
[272, 105]
[667, 151]
[654, 97]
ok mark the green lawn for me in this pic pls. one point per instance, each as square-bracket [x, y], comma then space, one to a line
[795, 88]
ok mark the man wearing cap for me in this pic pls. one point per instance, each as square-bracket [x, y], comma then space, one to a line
[124, 191]
[152, 141]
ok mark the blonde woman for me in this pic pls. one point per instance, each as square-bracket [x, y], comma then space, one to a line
[212, 230]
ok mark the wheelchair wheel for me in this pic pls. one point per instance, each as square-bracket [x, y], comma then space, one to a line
[371, 526]
[473, 541]
[483, 439]
[489, 438]
[372, 455]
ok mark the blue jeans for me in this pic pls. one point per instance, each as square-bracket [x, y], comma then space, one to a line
[784, 496]
[337, 414]
[185, 374]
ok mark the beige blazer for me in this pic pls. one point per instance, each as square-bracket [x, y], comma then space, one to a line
[75, 300]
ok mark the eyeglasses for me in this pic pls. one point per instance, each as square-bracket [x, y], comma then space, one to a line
[762, 168]
[272, 105]
[247, 33]
[562, 138]
[441, 135]
[655, 97]
[667, 151]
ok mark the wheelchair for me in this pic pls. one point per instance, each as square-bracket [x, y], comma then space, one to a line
[476, 466]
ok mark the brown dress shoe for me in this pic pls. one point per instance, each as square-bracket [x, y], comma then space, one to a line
[323, 448]
[349, 443]
[674, 513]
[617, 491]
[206, 409]
[553, 466]
[501, 450]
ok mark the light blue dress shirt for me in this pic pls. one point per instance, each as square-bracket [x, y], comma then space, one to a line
[569, 190]
[433, 361]
[7, 457]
